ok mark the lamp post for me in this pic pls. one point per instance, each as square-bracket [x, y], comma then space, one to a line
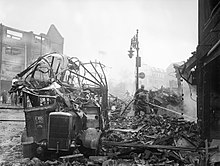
[135, 45]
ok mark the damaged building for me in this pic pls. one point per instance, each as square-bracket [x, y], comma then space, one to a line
[20, 48]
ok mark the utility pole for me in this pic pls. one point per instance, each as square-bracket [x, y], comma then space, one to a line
[135, 45]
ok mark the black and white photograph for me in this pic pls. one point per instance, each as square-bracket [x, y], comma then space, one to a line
[109, 82]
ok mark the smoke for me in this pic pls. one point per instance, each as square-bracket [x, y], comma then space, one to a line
[125, 83]
[189, 100]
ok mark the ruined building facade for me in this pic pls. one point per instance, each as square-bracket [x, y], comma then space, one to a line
[18, 49]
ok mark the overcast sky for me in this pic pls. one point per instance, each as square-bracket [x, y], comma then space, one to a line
[167, 28]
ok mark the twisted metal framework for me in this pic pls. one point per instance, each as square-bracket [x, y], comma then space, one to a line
[56, 75]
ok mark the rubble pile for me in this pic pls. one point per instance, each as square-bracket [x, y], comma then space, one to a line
[166, 97]
[153, 139]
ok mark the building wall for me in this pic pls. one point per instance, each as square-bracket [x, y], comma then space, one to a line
[18, 49]
[208, 60]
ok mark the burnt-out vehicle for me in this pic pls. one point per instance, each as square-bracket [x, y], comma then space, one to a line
[65, 105]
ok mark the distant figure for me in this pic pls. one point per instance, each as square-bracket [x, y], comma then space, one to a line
[127, 94]
[14, 99]
[4, 97]
[13, 91]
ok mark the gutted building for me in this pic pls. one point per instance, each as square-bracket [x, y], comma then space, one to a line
[18, 49]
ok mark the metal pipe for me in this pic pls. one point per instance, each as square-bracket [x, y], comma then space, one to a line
[178, 113]
[12, 120]
[166, 147]
[97, 73]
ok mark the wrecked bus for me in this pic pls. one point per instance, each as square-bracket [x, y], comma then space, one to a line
[65, 106]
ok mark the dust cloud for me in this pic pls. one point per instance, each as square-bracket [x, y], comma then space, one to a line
[189, 100]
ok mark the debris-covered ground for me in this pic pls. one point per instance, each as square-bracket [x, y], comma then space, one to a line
[153, 140]
[10, 137]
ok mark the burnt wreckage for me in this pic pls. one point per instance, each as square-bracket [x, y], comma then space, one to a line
[65, 105]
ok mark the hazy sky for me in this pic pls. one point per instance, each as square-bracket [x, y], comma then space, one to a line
[167, 28]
